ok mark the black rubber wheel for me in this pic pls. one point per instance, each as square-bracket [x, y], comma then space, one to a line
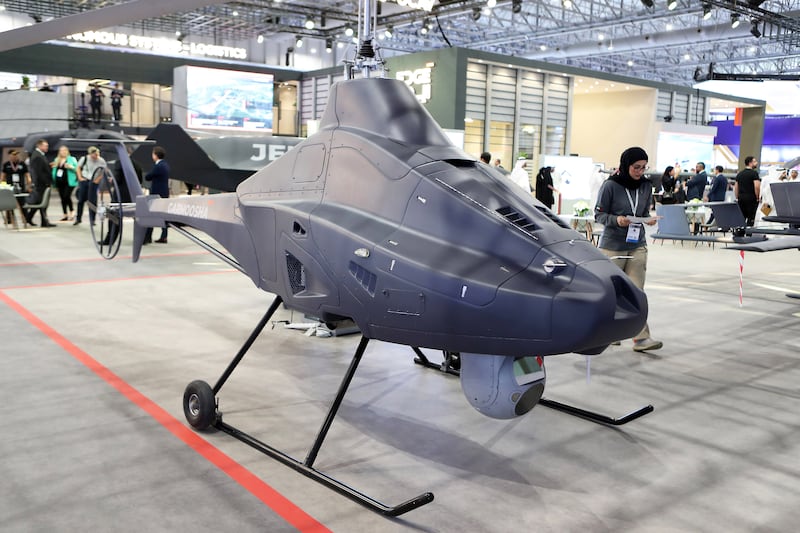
[199, 405]
[105, 206]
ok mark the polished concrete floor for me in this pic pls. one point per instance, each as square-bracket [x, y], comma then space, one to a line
[95, 356]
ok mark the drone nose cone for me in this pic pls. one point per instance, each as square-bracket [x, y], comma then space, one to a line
[600, 305]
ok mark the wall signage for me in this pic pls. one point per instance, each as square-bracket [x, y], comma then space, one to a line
[158, 44]
[419, 81]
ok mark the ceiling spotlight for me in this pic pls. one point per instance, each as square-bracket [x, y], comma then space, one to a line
[428, 23]
[260, 39]
[423, 30]
[339, 44]
[754, 29]
[567, 4]
[348, 31]
[329, 45]
[706, 11]
[180, 36]
[388, 32]
[687, 57]
[734, 20]
[298, 41]
[309, 24]
[36, 18]
[2, 8]
[600, 36]
[235, 13]
[672, 4]
[516, 6]
[668, 27]
[323, 20]
[630, 62]
[610, 45]
[476, 13]
[177, 33]
[491, 3]
[543, 47]
[648, 3]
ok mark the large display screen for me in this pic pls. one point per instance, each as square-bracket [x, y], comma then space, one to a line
[683, 148]
[228, 99]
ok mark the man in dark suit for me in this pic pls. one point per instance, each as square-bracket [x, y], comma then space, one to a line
[41, 180]
[159, 184]
[696, 185]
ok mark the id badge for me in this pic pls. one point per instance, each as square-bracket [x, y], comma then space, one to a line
[60, 173]
[634, 230]
[14, 178]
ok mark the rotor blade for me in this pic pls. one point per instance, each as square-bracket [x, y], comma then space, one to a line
[96, 19]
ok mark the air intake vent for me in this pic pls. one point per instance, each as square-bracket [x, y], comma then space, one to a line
[552, 216]
[365, 278]
[296, 272]
[517, 219]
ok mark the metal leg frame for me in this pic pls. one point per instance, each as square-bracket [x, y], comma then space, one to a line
[447, 365]
[592, 416]
[306, 467]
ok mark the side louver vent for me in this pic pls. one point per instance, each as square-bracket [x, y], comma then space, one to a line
[517, 219]
[365, 278]
[552, 216]
[296, 272]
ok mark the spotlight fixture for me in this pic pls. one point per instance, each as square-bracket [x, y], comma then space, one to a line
[309, 24]
[298, 41]
[648, 3]
[323, 19]
[180, 36]
[734, 20]
[543, 47]
[234, 13]
[329, 45]
[348, 31]
[260, 39]
[516, 6]
[388, 32]
[567, 4]
[2, 7]
[476, 13]
[672, 4]
[423, 30]
[754, 29]
[706, 11]
[630, 62]
[491, 3]
[600, 36]
[36, 18]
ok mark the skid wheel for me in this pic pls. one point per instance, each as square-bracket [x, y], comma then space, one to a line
[106, 206]
[199, 405]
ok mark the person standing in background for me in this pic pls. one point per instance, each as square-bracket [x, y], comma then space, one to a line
[41, 181]
[65, 177]
[626, 194]
[748, 189]
[87, 191]
[719, 185]
[159, 184]
[697, 184]
[544, 187]
[520, 175]
[96, 102]
[116, 102]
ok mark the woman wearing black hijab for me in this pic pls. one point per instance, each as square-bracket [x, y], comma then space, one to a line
[628, 194]
[544, 187]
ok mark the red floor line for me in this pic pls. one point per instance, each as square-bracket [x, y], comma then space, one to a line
[116, 280]
[95, 259]
[261, 490]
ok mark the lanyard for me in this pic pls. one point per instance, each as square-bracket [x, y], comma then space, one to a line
[634, 206]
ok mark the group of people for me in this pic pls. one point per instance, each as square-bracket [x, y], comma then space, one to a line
[96, 98]
[746, 186]
[66, 174]
[544, 188]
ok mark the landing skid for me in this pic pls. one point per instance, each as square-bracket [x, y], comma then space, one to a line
[201, 408]
[447, 366]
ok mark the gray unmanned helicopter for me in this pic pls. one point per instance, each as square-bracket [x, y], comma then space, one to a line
[378, 218]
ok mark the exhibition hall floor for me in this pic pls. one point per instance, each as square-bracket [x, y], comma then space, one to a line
[96, 354]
